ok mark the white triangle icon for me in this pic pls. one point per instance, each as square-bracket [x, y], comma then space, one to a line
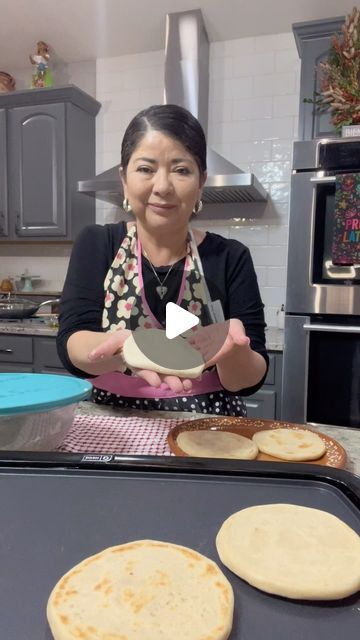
[178, 320]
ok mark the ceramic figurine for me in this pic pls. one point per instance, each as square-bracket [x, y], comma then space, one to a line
[42, 77]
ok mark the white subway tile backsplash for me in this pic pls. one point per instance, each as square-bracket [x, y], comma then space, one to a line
[239, 48]
[250, 236]
[242, 87]
[274, 84]
[271, 171]
[286, 105]
[220, 111]
[131, 61]
[259, 63]
[282, 210]
[151, 95]
[272, 128]
[221, 67]
[278, 234]
[271, 315]
[252, 108]
[280, 192]
[269, 256]
[276, 277]
[217, 50]
[287, 60]
[274, 42]
[106, 160]
[282, 150]
[253, 151]
[111, 142]
[261, 273]
[273, 296]
[121, 100]
[229, 132]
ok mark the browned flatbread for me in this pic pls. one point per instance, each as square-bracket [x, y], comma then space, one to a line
[143, 590]
[290, 444]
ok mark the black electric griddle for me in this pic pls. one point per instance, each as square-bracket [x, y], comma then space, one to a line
[57, 509]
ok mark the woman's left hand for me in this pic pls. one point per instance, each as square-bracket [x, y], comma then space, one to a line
[217, 341]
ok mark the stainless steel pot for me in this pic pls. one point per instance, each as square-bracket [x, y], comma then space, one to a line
[18, 308]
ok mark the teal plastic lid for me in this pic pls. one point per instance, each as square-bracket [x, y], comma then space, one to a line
[34, 392]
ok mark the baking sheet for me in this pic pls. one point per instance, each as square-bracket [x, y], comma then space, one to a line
[50, 519]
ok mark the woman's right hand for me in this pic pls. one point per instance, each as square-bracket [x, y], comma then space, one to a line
[109, 352]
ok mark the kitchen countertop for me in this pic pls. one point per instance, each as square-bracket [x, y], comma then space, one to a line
[274, 336]
[348, 438]
[28, 329]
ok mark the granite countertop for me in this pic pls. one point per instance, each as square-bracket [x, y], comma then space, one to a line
[348, 438]
[28, 328]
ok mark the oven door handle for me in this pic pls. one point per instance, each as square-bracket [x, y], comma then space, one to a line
[336, 328]
[323, 179]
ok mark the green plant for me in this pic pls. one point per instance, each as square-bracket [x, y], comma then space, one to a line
[340, 76]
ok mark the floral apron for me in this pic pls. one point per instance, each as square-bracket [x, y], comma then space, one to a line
[125, 300]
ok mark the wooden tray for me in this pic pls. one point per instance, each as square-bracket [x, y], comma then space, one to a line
[335, 455]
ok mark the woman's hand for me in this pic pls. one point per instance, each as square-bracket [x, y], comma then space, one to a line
[218, 341]
[226, 345]
[111, 349]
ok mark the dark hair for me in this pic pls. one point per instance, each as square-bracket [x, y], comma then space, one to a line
[171, 120]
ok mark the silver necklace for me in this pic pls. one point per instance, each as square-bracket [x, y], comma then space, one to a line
[160, 290]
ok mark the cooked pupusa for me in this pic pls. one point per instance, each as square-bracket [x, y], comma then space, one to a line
[290, 444]
[142, 590]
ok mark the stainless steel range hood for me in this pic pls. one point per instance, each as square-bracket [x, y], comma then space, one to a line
[187, 84]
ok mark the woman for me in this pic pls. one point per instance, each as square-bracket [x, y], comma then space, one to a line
[121, 276]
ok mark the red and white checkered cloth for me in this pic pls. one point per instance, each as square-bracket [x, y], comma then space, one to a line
[130, 436]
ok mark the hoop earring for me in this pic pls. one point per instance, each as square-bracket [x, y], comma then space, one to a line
[126, 205]
[198, 207]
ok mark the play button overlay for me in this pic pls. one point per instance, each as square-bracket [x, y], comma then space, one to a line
[178, 320]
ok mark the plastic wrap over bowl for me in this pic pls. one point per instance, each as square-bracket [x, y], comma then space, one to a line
[37, 410]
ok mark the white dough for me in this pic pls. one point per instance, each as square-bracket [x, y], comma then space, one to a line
[292, 551]
[151, 349]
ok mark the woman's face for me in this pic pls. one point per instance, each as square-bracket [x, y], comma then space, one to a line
[162, 182]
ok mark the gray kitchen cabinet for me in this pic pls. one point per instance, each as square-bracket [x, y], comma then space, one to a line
[313, 41]
[16, 349]
[266, 402]
[3, 176]
[37, 169]
[51, 145]
[35, 354]
[46, 359]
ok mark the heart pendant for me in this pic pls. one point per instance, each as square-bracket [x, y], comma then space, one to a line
[161, 291]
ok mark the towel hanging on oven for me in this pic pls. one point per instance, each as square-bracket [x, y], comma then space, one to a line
[346, 234]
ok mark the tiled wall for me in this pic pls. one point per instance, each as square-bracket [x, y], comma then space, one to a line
[253, 113]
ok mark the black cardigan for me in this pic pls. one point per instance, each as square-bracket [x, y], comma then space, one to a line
[228, 268]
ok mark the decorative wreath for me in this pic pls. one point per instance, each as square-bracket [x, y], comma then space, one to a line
[340, 76]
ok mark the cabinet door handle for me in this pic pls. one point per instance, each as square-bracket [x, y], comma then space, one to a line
[17, 223]
[2, 223]
[6, 351]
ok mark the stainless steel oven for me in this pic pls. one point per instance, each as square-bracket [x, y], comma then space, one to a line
[321, 372]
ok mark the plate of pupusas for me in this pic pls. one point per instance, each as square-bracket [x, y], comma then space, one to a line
[255, 439]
